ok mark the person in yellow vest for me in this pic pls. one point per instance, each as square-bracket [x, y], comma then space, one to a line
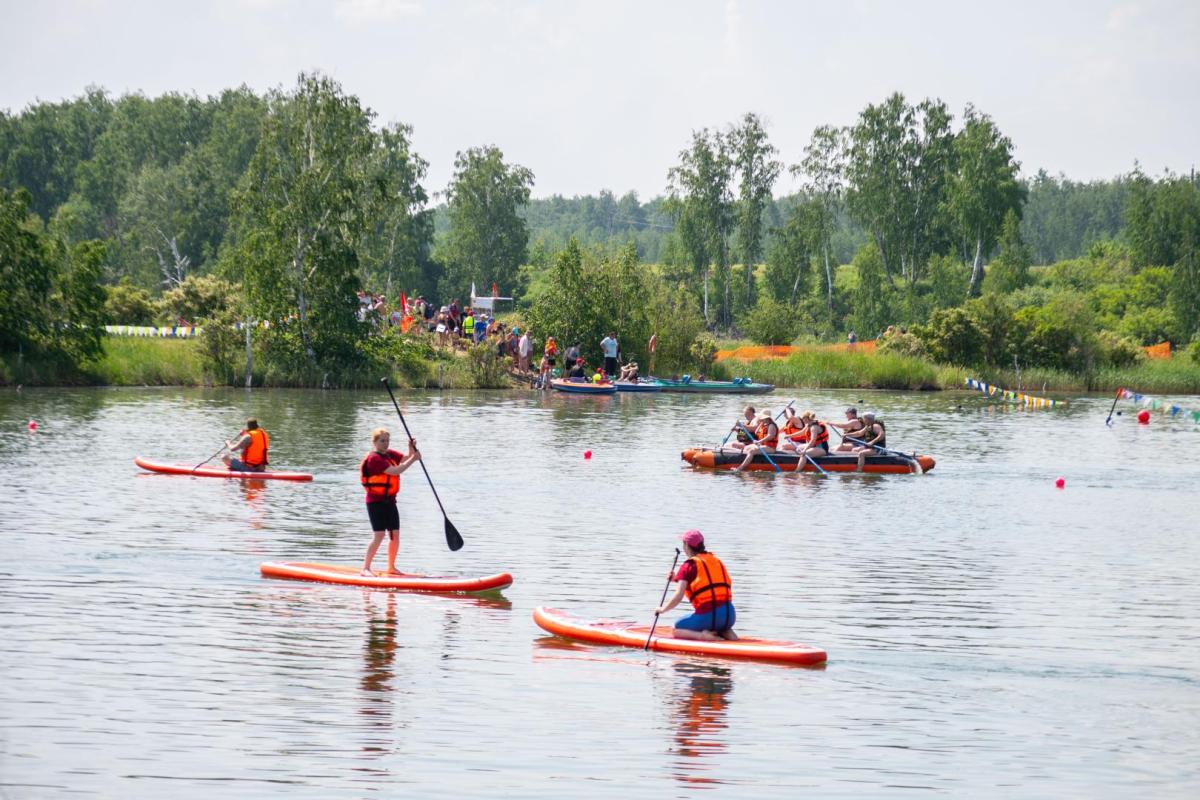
[250, 447]
[379, 473]
[703, 579]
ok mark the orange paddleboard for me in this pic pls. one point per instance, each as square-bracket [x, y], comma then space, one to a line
[218, 472]
[633, 634]
[349, 576]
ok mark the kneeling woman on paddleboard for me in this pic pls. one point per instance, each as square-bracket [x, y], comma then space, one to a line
[380, 475]
[704, 580]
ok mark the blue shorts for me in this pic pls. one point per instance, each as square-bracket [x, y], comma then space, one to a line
[238, 465]
[717, 619]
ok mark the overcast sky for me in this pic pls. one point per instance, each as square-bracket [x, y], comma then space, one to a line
[595, 95]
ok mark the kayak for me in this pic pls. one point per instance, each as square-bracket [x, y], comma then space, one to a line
[582, 387]
[633, 634]
[844, 462]
[218, 472]
[349, 576]
[736, 386]
[638, 386]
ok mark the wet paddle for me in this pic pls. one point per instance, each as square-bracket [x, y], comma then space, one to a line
[210, 458]
[670, 578]
[1108, 421]
[453, 540]
[765, 454]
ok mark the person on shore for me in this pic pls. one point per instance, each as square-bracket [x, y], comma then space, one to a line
[873, 436]
[379, 474]
[550, 351]
[524, 351]
[818, 437]
[794, 432]
[705, 582]
[543, 379]
[609, 346]
[766, 438]
[572, 354]
[853, 426]
[468, 326]
[741, 439]
[251, 448]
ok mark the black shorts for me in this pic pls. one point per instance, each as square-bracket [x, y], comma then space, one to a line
[384, 516]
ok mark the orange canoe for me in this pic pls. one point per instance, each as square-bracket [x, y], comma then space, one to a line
[348, 576]
[218, 472]
[633, 634]
[789, 462]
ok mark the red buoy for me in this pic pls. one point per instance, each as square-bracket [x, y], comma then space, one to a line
[587, 454]
[1060, 484]
[33, 424]
[1144, 417]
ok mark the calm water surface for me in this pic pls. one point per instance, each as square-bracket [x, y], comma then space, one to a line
[988, 635]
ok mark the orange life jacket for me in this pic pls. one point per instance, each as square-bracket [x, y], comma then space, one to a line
[822, 438]
[382, 486]
[711, 586]
[793, 431]
[762, 430]
[255, 454]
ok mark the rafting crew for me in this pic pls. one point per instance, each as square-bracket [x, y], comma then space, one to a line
[817, 443]
[251, 447]
[705, 582]
[741, 426]
[379, 473]
[766, 438]
[794, 432]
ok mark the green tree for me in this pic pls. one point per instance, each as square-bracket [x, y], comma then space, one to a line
[126, 304]
[824, 169]
[395, 250]
[982, 189]
[488, 237]
[1009, 271]
[771, 322]
[870, 300]
[701, 188]
[26, 274]
[757, 170]
[952, 336]
[789, 260]
[1164, 230]
[301, 210]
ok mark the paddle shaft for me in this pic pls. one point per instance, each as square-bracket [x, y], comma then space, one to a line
[765, 454]
[663, 600]
[1114, 408]
[445, 516]
[896, 453]
[210, 458]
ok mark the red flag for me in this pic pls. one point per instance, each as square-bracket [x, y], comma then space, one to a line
[494, 290]
[653, 342]
[406, 319]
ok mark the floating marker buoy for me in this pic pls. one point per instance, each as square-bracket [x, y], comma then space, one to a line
[1143, 417]
[587, 454]
[1060, 484]
[33, 424]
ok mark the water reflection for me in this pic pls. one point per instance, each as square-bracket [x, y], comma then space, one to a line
[699, 710]
[379, 655]
[253, 490]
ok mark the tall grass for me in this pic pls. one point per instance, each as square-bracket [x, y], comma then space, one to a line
[148, 362]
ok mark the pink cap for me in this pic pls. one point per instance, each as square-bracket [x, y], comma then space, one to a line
[693, 538]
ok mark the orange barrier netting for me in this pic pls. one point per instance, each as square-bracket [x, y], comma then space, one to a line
[1160, 350]
[752, 353]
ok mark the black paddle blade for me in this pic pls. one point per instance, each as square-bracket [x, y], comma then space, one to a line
[453, 540]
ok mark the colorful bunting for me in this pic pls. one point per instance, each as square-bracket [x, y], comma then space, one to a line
[1028, 400]
[1159, 405]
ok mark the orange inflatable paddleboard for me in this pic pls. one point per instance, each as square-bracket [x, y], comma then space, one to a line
[633, 634]
[218, 472]
[349, 576]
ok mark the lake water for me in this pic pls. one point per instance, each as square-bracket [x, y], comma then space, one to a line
[988, 635]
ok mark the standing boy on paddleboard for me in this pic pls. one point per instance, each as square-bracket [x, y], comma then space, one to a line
[380, 475]
[706, 583]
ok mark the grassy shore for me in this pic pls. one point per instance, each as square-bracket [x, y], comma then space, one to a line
[832, 369]
[177, 362]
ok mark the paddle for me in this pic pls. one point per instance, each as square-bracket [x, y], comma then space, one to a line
[721, 446]
[813, 461]
[670, 578]
[210, 458]
[453, 540]
[916, 465]
[1108, 421]
[765, 454]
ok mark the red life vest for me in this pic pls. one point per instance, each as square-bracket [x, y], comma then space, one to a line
[762, 430]
[255, 454]
[382, 486]
[822, 438]
[711, 586]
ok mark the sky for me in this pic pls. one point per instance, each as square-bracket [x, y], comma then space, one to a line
[604, 95]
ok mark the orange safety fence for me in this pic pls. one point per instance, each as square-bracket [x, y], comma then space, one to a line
[753, 353]
[1160, 350]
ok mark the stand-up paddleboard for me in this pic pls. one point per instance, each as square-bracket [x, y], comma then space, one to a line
[219, 472]
[633, 634]
[349, 576]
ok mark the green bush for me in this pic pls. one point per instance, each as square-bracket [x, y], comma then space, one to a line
[197, 298]
[222, 348]
[904, 344]
[703, 351]
[127, 304]
[771, 322]
[1193, 350]
[1118, 351]
[952, 337]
